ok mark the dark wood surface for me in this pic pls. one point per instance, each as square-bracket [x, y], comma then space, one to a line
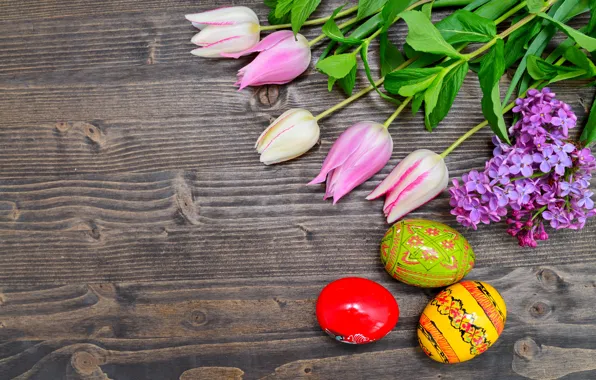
[141, 238]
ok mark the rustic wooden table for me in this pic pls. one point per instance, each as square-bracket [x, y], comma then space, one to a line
[141, 238]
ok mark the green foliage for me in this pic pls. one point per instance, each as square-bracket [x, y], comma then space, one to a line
[408, 82]
[389, 54]
[423, 36]
[390, 12]
[539, 69]
[331, 30]
[364, 56]
[589, 133]
[535, 6]
[586, 42]
[465, 26]
[301, 11]
[368, 7]
[337, 66]
[449, 89]
[491, 70]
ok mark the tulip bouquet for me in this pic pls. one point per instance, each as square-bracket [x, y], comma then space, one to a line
[427, 74]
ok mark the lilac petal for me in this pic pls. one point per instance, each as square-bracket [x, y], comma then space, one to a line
[527, 171]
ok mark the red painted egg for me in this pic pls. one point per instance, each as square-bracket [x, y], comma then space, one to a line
[356, 310]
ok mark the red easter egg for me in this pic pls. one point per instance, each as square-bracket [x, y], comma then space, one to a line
[356, 310]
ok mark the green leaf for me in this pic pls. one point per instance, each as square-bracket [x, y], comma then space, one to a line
[495, 8]
[475, 4]
[408, 82]
[427, 10]
[425, 37]
[390, 12]
[465, 26]
[364, 56]
[337, 66]
[592, 24]
[517, 41]
[560, 11]
[491, 70]
[366, 29]
[449, 90]
[589, 133]
[431, 96]
[347, 83]
[331, 30]
[283, 7]
[535, 6]
[368, 7]
[578, 58]
[586, 42]
[301, 11]
[539, 69]
[389, 54]
[417, 102]
[579, 74]
[330, 82]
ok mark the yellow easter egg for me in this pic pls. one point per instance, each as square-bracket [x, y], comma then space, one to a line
[461, 322]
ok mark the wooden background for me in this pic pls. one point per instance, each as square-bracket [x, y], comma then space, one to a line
[141, 238]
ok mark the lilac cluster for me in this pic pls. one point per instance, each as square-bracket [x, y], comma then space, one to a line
[542, 178]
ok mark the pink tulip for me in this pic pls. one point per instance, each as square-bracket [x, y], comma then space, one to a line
[224, 30]
[281, 59]
[359, 152]
[417, 179]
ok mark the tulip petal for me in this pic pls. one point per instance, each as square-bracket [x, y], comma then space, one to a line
[265, 44]
[269, 134]
[361, 166]
[399, 173]
[223, 16]
[418, 195]
[291, 143]
[279, 65]
[346, 144]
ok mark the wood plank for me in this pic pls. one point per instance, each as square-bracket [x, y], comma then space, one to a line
[211, 224]
[266, 329]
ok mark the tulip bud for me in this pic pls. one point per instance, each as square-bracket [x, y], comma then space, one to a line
[224, 30]
[282, 58]
[289, 136]
[359, 152]
[417, 179]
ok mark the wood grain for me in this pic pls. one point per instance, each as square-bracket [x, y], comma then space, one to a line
[142, 239]
[214, 329]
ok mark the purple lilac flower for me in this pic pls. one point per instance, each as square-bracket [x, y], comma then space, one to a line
[555, 175]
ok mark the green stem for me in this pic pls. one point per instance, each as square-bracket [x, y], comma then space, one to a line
[340, 26]
[316, 21]
[347, 101]
[538, 212]
[388, 122]
[506, 109]
[536, 175]
[360, 93]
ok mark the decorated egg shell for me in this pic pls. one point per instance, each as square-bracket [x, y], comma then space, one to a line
[425, 253]
[461, 322]
[356, 310]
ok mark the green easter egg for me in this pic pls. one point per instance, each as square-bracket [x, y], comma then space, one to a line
[425, 253]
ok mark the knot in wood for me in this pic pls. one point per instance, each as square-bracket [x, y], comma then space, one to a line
[526, 348]
[84, 362]
[198, 318]
[268, 95]
[550, 279]
[63, 126]
[540, 309]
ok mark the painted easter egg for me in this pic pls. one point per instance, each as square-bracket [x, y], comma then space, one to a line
[461, 322]
[426, 253]
[356, 310]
